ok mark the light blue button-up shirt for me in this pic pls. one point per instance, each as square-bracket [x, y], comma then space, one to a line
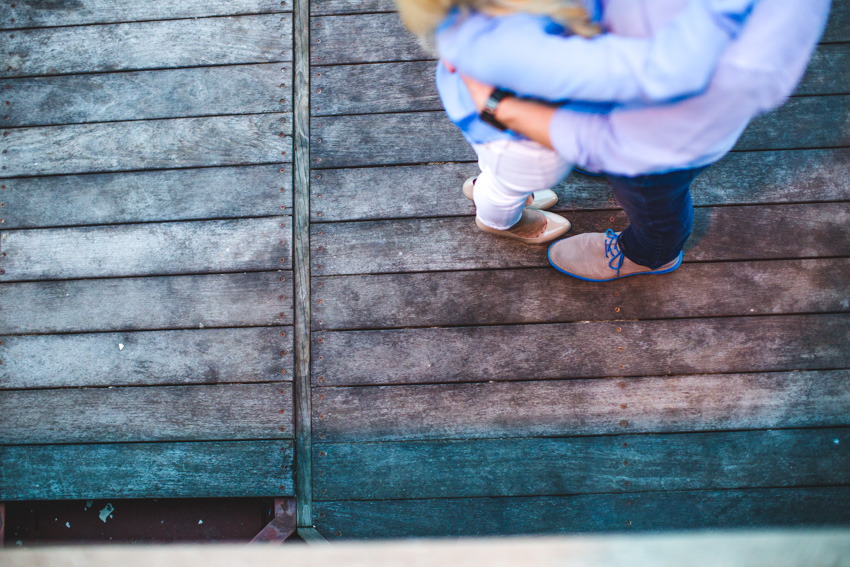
[633, 71]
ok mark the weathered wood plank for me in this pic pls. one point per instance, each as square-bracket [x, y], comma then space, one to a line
[374, 88]
[147, 45]
[147, 196]
[134, 304]
[319, 7]
[425, 137]
[545, 296]
[365, 38]
[582, 465]
[552, 408]
[838, 26]
[409, 86]
[45, 14]
[147, 470]
[197, 247]
[160, 413]
[828, 71]
[582, 350]
[434, 190]
[197, 356]
[653, 511]
[802, 122]
[415, 245]
[171, 93]
[156, 144]
[381, 37]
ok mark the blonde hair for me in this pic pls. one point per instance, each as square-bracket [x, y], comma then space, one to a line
[422, 16]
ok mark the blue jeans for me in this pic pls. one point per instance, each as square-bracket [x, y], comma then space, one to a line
[661, 215]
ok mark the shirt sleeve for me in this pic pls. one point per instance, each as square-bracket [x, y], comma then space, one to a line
[516, 53]
[756, 75]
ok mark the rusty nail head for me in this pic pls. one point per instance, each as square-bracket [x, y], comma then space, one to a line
[619, 329]
[617, 309]
[283, 428]
[283, 353]
[283, 333]
[624, 423]
[622, 384]
[321, 322]
[283, 315]
[319, 176]
[321, 378]
[321, 396]
[321, 416]
[283, 391]
[319, 249]
[611, 219]
[283, 259]
[318, 215]
[319, 160]
[281, 170]
[321, 453]
[621, 366]
[283, 371]
[628, 522]
[339, 533]
[628, 483]
[319, 284]
[625, 444]
[624, 406]
[321, 357]
[282, 411]
[321, 340]
[319, 301]
[625, 462]
[617, 293]
[283, 279]
[620, 349]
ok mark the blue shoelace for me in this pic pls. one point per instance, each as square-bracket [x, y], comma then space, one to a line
[613, 251]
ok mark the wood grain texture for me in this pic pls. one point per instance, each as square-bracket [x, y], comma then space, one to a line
[148, 249]
[545, 296]
[140, 95]
[196, 356]
[147, 45]
[301, 271]
[147, 470]
[434, 189]
[582, 350]
[135, 304]
[52, 13]
[802, 122]
[838, 26]
[364, 38]
[318, 7]
[374, 88]
[146, 196]
[425, 137]
[416, 245]
[160, 413]
[556, 408]
[155, 144]
[829, 70]
[653, 511]
[582, 465]
[409, 85]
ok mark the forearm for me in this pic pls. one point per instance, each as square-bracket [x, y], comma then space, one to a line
[528, 118]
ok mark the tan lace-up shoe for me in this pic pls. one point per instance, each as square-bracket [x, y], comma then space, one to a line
[541, 200]
[595, 257]
[555, 226]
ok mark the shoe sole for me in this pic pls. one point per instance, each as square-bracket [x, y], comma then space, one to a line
[542, 239]
[650, 273]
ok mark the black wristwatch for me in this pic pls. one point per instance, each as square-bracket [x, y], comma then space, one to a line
[488, 113]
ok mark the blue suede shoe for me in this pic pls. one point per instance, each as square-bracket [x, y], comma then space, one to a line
[595, 257]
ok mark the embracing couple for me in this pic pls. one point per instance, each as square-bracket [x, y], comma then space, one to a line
[647, 93]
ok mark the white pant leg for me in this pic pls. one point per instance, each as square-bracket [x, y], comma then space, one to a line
[511, 170]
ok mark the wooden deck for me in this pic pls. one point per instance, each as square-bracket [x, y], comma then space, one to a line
[169, 331]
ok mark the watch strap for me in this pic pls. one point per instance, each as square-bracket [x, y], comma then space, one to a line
[488, 113]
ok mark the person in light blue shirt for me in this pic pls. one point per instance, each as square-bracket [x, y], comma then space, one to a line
[652, 153]
[551, 62]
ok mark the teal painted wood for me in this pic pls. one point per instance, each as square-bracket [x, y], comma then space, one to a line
[147, 470]
[409, 85]
[234, 245]
[141, 95]
[135, 304]
[147, 45]
[426, 137]
[155, 144]
[434, 189]
[557, 408]
[44, 14]
[158, 413]
[417, 245]
[196, 356]
[582, 350]
[432, 299]
[654, 511]
[581, 465]
[145, 196]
